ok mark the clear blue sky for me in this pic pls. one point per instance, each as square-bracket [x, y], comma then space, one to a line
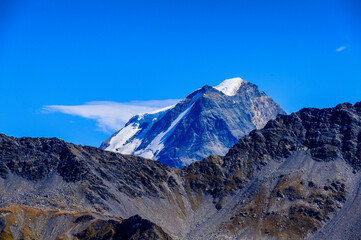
[301, 53]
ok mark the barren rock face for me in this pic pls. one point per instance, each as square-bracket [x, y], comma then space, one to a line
[297, 178]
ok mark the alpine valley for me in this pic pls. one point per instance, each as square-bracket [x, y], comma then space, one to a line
[208, 121]
[298, 177]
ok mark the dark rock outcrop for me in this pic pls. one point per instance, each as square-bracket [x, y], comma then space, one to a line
[132, 228]
[35, 159]
[327, 134]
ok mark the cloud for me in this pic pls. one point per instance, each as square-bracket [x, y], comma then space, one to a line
[341, 48]
[110, 116]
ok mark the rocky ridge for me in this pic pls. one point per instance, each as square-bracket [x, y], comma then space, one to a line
[297, 178]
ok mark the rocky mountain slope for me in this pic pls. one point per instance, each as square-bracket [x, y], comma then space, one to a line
[297, 178]
[209, 121]
[23, 222]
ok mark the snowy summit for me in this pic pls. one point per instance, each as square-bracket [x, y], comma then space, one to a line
[230, 86]
[208, 121]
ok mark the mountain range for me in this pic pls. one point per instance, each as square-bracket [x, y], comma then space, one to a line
[208, 121]
[296, 178]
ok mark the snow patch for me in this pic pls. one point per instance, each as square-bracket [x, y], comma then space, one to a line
[230, 86]
[117, 143]
[120, 141]
[157, 144]
[161, 110]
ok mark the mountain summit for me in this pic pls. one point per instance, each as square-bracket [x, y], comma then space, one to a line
[230, 86]
[208, 121]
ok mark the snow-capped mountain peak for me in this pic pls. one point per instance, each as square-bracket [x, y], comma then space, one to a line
[208, 121]
[230, 86]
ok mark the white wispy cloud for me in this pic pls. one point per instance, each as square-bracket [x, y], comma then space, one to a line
[341, 48]
[110, 116]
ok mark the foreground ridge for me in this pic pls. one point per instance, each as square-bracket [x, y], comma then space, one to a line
[298, 177]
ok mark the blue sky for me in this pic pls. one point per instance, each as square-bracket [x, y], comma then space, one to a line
[112, 53]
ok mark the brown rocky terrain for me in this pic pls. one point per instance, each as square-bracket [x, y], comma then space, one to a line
[23, 222]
